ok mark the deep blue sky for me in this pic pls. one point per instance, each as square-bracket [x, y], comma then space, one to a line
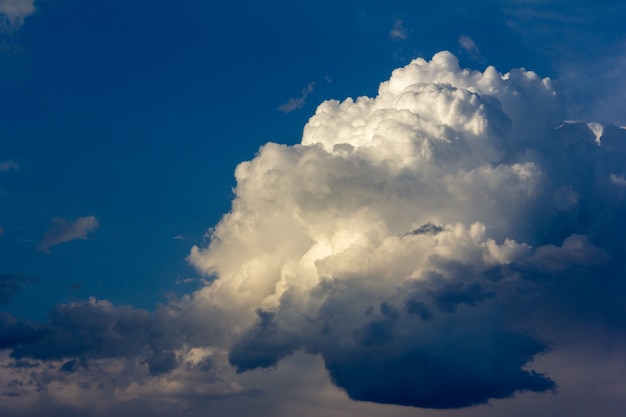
[137, 112]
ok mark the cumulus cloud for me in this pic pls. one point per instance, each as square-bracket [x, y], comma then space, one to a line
[390, 237]
[297, 103]
[63, 231]
[13, 13]
[418, 244]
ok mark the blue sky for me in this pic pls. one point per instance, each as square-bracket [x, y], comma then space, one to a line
[123, 123]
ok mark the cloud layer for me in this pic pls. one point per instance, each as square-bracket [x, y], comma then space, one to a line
[428, 246]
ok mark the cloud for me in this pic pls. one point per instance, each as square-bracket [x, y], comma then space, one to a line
[469, 46]
[441, 245]
[11, 284]
[298, 102]
[15, 332]
[105, 354]
[576, 250]
[13, 13]
[398, 31]
[594, 35]
[64, 231]
[389, 239]
[8, 166]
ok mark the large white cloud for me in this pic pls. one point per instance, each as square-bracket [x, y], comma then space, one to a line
[426, 245]
[400, 226]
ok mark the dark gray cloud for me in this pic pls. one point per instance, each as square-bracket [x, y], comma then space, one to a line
[451, 373]
[427, 228]
[263, 346]
[15, 332]
[457, 352]
[97, 329]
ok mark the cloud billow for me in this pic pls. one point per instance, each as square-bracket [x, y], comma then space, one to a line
[457, 187]
[415, 242]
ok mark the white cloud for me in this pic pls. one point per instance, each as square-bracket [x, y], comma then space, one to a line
[323, 229]
[64, 231]
[319, 237]
[395, 253]
[13, 13]
[398, 31]
[297, 103]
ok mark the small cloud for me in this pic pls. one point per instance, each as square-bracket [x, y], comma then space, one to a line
[469, 46]
[328, 79]
[618, 180]
[64, 231]
[398, 31]
[181, 281]
[179, 237]
[11, 284]
[297, 102]
[8, 165]
[13, 13]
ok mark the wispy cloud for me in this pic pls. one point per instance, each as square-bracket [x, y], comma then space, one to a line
[64, 231]
[297, 103]
[11, 284]
[8, 166]
[469, 46]
[13, 13]
[398, 31]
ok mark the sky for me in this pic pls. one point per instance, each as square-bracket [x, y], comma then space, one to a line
[346, 208]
